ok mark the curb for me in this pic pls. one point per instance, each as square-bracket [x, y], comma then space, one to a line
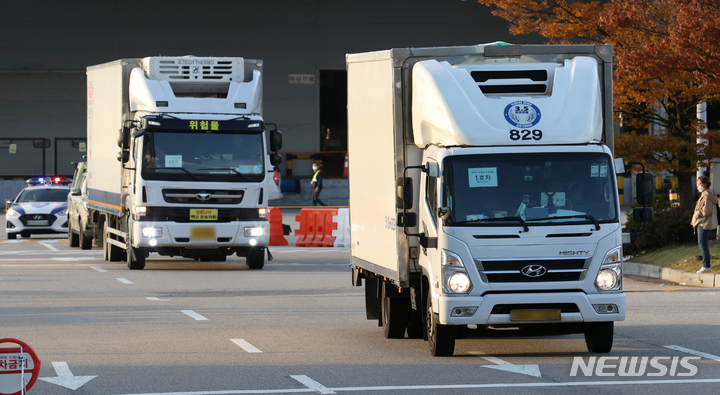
[704, 280]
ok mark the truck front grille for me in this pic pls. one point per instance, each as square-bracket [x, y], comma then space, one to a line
[533, 270]
[189, 196]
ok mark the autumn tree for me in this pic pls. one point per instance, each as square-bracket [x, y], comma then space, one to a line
[667, 60]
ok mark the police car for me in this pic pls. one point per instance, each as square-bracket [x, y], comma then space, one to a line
[41, 208]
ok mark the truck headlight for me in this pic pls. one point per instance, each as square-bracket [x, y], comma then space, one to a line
[255, 231]
[455, 277]
[609, 277]
[152, 232]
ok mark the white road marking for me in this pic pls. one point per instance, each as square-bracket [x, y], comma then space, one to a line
[246, 346]
[50, 247]
[396, 388]
[101, 270]
[65, 378]
[157, 299]
[694, 352]
[194, 315]
[53, 241]
[125, 281]
[313, 385]
[530, 370]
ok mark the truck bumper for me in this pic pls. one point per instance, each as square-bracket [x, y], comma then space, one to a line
[575, 307]
[202, 235]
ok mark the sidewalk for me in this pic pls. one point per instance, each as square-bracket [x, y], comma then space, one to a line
[704, 280]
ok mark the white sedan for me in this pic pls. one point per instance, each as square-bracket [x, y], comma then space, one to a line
[38, 210]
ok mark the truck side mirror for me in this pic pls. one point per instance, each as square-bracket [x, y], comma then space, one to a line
[123, 139]
[275, 159]
[123, 156]
[275, 140]
[644, 188]
[641, 214]
[404, 189]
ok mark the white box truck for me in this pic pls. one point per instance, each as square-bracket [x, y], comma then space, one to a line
[483, 191]
[190, 176]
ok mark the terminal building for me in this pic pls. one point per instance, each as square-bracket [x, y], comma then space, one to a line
[47, 47]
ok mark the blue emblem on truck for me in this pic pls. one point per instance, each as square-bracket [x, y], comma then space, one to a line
[522, 114]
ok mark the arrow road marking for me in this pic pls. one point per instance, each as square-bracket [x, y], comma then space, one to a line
[530, 370]
[246, 346]
[66, 378]
[313, 385]
[694, 352]
[50, 247]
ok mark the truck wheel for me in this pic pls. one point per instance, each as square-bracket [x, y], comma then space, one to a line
[394, 314]
[441, 337]
[85, 242]
[135, 258]
[599, 336]
[73, 239]
[255, 259]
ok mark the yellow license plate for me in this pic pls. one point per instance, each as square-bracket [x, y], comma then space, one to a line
[535, 315]
[203, 214]
[202, 233]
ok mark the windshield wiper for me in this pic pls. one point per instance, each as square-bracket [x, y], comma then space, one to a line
[230, 168]
[586, 216]
[179, 168]
[480, 220]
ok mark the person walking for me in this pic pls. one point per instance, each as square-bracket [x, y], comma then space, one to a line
[705, 219]
[316, 185]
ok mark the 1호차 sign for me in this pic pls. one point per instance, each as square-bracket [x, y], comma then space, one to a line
[19, 367]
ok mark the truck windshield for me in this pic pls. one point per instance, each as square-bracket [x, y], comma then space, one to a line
[534, 189]
[201, 156]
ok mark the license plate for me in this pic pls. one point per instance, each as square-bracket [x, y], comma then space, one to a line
[37, 223]
[202, 233]
[203, 214]
[535, 315]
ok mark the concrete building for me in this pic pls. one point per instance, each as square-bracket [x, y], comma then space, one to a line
[47, 45]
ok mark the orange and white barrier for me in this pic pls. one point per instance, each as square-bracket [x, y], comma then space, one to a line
[316, 227]
[342, 233]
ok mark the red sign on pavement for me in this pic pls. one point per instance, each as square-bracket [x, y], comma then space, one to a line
[19, 368]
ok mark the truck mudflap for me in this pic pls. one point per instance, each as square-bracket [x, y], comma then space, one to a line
[201, 235]
[531, 308]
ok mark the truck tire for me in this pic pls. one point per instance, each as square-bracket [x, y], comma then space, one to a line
[135, 258]
[73, 239]
[394, 314]
[255, 259]
[599, 336]
[440, 337]
[85, 242]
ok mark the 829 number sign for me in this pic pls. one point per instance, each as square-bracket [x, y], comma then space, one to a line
[516, 135]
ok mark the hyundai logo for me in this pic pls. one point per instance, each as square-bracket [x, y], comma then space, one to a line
[203, 196]
[37, 217]
[534, 271]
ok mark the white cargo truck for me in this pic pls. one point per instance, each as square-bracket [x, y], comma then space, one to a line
[483, 191]
[190, 176]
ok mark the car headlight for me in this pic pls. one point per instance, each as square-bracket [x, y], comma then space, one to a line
[12, 213]
[255, 231]
[455, 277]
[60, 213]
[609, 277]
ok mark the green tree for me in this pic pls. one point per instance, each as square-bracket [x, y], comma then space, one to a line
[667, 60]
